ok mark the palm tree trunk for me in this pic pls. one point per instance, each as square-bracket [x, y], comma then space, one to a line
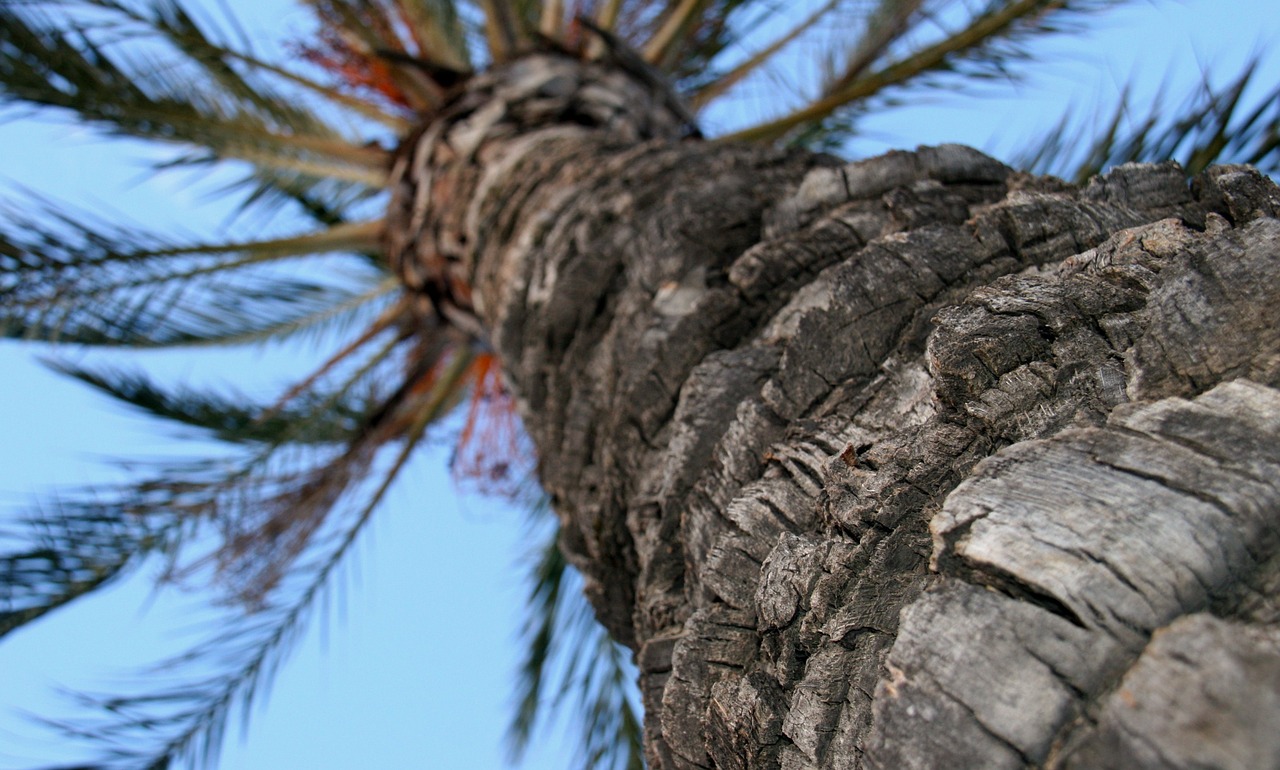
[915, 462]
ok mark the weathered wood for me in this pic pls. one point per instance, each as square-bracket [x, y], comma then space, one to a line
[1205, 693]
[895, 464]
[1091, 541]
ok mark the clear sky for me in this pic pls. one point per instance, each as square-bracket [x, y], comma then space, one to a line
[417, 672]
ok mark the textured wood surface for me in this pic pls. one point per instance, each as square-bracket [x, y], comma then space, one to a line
[911, 462]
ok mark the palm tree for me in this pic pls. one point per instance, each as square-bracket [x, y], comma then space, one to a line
[750, 376]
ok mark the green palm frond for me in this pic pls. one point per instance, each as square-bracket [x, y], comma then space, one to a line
[171, 22]
[196, 99]
[570, 656]
[1207, 125]
[439, 31]
[185, 719]
[315, 418]
[263, 192]
[68, 551]
[286, 525]
[716, 84]
[286, 508]
[383, 35]
[903, 47]
[363, 107]
[76, 279]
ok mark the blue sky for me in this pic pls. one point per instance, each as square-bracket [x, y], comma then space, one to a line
[395, 686]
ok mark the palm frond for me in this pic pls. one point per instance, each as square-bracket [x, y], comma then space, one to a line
[286, 529]
[985, 45]
[332, 406]
[675, 29]
[270, 506]
[316, 418]
[691, 36]
[439, 31]
[74, 278]
[718, 85]
[195, 98]
[364, 107]
[336, 315]
[186, 719]
[569, 655]
[391, 48]
[503, 29]
[551, 21]
[171, 22]
[265, 191]
[370, 24]
[886, 24]
[1209, 124]
[68, 551]
[546, 581]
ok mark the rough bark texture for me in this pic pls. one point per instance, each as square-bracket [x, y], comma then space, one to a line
[915, 462]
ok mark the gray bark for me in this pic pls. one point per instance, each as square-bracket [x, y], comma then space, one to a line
[915, 462]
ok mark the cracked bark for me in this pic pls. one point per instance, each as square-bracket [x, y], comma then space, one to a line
[912, 462]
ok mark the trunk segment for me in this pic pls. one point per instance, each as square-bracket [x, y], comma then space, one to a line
[915, 462]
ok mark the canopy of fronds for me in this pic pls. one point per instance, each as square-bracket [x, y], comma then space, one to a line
[311, 134]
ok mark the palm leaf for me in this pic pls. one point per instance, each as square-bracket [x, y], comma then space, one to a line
[364, 107]
[287, 531]
[370, 40]
[187, 719]
[570, 655]
[265, 191]
[318, 418]
[172, 22]
[675, 29]
[77, 279]
[68, 552]
[503, 30]
[719, 84]
[1208, 125]
[65, 66]
[984, 46]
[441, 35]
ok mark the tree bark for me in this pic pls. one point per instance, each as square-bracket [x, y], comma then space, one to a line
[915, 462]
